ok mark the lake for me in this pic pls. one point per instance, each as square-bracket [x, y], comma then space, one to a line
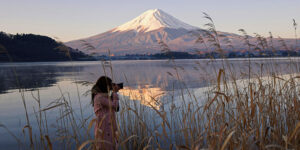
[48, 81]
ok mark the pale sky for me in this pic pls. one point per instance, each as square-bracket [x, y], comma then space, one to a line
[75, 19]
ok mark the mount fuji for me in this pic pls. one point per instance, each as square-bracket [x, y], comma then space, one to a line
[142, 34]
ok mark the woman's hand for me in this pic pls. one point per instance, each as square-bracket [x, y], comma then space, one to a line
[116, 88]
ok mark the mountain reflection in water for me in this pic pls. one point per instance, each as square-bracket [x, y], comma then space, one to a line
[155, 73]
[146, 95]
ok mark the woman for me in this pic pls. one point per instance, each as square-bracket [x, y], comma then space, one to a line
[106, 102]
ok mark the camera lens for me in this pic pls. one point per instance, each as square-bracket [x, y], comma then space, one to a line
[120, 85]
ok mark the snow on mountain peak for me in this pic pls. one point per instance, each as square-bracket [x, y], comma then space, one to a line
[151, 20]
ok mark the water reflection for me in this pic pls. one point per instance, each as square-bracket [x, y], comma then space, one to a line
[31, 77]
[147, 95]
[157, 73]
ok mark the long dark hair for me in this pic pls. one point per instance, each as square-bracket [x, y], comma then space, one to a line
[103, 85]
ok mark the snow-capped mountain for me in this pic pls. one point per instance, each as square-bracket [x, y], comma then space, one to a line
[142, 34]
[153, 20]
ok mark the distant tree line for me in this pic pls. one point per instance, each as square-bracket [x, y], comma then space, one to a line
[30, 47]
[204, 55]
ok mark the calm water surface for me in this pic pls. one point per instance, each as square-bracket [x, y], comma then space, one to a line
[49, 80]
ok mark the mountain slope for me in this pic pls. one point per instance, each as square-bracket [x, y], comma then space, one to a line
[30, 47]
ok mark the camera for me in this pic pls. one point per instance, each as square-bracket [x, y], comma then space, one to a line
[120, 85]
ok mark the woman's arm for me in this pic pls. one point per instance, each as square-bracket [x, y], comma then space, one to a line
[106, 102]
[115, 102]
